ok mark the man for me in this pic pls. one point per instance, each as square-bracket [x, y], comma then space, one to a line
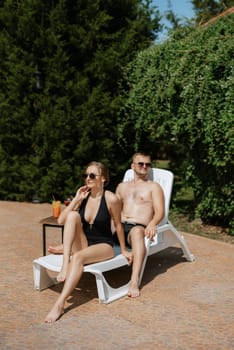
[142, 210]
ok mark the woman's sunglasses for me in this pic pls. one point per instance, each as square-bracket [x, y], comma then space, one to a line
[92, 176]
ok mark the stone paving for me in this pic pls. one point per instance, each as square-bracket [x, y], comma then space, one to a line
[183, 305]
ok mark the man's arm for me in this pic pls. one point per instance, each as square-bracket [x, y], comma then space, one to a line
[118, 192]
[158, 207]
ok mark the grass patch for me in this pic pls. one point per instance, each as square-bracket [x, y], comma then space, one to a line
[196, 227]
[162, 164]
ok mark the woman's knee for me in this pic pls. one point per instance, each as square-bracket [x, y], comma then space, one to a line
[73, 216]
[77, 258]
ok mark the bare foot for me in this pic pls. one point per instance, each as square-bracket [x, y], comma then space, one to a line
[56, 312]
[133, 291]
[56, 249]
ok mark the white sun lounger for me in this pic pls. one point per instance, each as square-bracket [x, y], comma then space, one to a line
[167, 236]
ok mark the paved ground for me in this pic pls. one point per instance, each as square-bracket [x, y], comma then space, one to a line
[183, 305]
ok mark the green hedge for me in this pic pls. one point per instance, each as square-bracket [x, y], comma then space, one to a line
[180, 100]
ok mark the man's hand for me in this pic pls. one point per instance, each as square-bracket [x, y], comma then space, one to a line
[150, 231]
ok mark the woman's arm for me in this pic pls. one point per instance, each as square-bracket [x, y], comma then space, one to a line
[115, 210]
[81, 194]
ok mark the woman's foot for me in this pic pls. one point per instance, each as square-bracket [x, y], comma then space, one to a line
[133, 290]
[58, 249]
[56, 312]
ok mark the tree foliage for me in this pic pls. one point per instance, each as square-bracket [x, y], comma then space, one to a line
[180, 103]
[206, 9]
[48, 135]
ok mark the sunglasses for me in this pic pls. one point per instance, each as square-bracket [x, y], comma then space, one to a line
[141, 164]
[92, 176]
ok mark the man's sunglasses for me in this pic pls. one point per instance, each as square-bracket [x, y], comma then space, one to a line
[92, 176]
[141, 164]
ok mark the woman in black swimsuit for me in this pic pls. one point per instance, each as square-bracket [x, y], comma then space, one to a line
[87, 231]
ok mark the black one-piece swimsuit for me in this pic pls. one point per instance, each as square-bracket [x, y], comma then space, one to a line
[100, 230]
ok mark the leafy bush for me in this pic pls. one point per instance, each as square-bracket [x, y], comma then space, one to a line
[180, 101]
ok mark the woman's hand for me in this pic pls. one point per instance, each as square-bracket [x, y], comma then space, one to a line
[128, 255]
[82, 193]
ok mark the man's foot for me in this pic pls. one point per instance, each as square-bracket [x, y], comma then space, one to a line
[56, 312]
[133, 290]
[58, 249]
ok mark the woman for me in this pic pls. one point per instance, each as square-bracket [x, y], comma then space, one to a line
[87, 231]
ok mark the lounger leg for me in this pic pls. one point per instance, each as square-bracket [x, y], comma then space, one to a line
[102, 289]
[106, 293]
[167, 237]
[181, 240]
[41, 278]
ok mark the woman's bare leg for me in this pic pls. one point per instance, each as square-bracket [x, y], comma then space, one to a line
[95, 253]
[73, 277]
[74, 239]
[139, 251]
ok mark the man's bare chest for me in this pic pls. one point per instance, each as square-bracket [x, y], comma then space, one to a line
[137, 196]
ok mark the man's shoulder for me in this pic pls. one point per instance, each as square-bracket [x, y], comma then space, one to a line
[110, 196]
[125, 183]
[123, 187]
[150, 185]
[147, 182]
[153, 183]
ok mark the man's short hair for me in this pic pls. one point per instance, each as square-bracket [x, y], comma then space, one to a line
[140, 153]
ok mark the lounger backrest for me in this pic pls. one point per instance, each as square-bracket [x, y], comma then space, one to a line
[164, 178]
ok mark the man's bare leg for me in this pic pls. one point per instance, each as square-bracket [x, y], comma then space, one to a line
[134, 290]
[138, 249]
